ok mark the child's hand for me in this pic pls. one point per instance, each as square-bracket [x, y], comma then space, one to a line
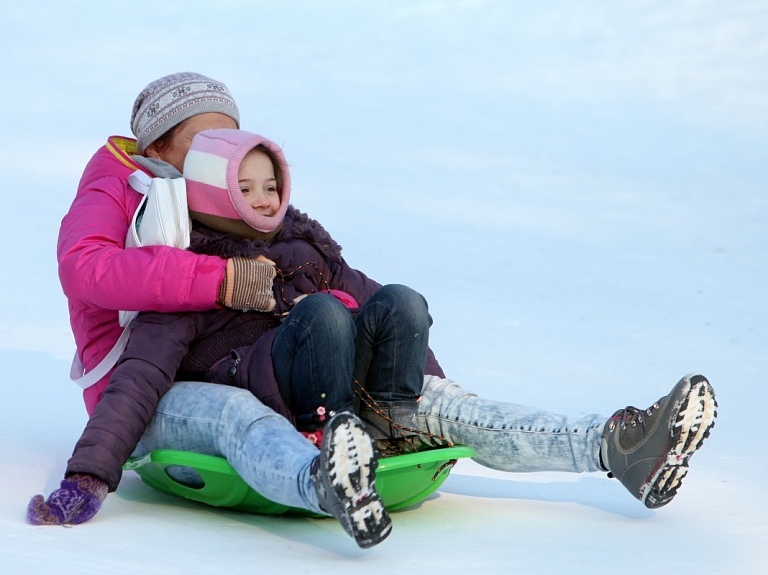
[76, 501]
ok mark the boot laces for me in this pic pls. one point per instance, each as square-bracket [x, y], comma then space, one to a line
[631, 416]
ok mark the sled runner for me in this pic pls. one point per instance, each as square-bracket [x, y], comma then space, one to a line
[401, 480]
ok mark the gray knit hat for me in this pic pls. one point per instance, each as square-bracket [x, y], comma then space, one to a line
[167, 102]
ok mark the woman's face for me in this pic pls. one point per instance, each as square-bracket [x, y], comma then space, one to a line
[180, 142]
[258, 183]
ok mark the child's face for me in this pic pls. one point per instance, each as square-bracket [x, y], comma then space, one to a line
[258, 183]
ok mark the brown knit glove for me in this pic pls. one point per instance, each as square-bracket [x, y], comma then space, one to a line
[248, 285]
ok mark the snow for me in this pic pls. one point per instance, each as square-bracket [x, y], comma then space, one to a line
[579, 190]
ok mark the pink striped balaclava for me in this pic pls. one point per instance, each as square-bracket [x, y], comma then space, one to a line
[213, 192]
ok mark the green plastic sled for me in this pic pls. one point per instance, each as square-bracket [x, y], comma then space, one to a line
[401, 480]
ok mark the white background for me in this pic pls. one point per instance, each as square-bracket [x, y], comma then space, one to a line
[578, 188]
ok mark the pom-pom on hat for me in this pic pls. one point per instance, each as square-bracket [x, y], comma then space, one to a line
[213, 190]
[167, 102]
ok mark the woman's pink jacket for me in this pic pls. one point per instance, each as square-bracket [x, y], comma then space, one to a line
[100, 277]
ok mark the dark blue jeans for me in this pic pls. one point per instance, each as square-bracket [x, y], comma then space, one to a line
[320, 349]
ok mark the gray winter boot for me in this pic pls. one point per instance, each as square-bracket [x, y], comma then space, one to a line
[344, 475]
[390, 419]
[648, 450]
[392, 425]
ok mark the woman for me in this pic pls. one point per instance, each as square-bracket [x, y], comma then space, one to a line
[100, 277]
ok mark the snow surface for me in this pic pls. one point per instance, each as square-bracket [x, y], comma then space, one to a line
[578, 188]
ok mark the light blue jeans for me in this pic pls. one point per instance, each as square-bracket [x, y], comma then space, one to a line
[262, 446]
[274, 459]
[507, 436]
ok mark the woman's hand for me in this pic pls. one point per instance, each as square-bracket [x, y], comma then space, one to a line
[248, 284]
[76, 501]
[265, 260]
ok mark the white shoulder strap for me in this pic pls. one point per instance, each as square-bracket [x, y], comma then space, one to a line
[161, 218]
[140, 181]
[86, 380]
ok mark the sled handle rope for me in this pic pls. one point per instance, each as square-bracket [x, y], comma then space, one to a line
[283, 277]
[371, 403]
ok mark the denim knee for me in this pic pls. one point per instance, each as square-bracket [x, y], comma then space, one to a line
[406, 302]
[327, 310]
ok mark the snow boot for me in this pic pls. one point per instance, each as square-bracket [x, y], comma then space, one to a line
[648, 450]
[392, 425]
[390, 419]
[344, 475]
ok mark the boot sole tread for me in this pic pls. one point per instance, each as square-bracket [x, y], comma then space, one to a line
[352, 463]
[693, 420]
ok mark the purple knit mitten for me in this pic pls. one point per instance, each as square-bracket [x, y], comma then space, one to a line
[76, 501]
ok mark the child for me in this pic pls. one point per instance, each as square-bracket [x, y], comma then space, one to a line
[238, 190]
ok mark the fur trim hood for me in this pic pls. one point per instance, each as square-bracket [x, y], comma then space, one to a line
[296, 225]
